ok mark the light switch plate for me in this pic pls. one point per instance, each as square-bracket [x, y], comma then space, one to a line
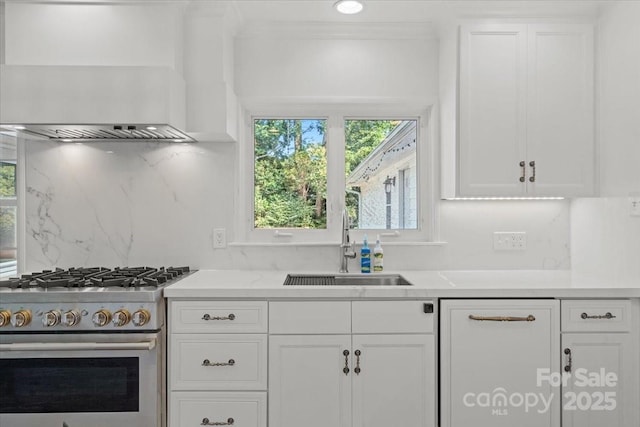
[509, 241]
[219, 238]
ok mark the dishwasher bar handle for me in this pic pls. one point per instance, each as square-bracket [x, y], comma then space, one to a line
[78, 346]
[529, 318]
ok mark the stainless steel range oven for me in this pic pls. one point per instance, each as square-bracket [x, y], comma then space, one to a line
[84, 348]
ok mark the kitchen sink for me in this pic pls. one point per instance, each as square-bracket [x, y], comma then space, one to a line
[345, 280]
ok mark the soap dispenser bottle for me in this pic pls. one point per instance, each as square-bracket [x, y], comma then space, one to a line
[365, 257]
[378, 254]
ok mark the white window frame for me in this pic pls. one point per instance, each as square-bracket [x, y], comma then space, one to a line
[336, 115]
[18, 202]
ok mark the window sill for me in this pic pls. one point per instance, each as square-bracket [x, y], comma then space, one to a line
[328, 244]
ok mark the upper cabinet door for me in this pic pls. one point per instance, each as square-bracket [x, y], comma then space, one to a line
[560, 110]
[492, 131]
[526, 110]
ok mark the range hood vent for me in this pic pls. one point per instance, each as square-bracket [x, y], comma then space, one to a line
[88, 133]
[94, 103]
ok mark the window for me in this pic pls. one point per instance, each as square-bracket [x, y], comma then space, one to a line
[290, 173]
[380, 163]
[307, 168]
[8, 205]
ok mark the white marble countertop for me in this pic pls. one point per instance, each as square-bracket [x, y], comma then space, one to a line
[235, 284]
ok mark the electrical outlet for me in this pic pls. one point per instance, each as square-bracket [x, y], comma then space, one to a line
[219, 238]
[509, 241]
[634, 205]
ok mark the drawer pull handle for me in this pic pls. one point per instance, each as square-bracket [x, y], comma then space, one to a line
[209, 317]
[567, 367]
[346, 362]
[206, 422]
[598, 316]
[206, 362]
[529, 318]
[357, 368]
[522, 165]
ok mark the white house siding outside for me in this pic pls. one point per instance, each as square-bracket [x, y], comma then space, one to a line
[394, 158]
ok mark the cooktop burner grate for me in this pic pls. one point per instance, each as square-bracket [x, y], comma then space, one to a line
[101, 277]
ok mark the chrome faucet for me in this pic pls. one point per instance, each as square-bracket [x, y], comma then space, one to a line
[346, 248]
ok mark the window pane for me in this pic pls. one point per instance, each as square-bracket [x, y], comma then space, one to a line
[7, 179]
[380, 162]
[290, 177]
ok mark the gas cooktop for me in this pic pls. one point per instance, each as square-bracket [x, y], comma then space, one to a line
[96, 277]
[86, 299]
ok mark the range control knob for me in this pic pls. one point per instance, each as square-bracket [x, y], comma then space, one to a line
[121, 317]
[71, 318]
[5, 317]
[141, 317]
[51, 318]
[21, 318]
[101, 317]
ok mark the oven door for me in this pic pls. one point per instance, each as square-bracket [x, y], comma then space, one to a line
[88, 380]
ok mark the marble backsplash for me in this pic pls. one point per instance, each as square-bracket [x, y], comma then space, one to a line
[139, 203]
[124, 203]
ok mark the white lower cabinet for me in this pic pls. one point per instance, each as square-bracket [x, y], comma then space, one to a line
[218, 409]
[598, 393]
[601, 363]
[326, 377]
[492, 352]
[503, 363]
[395, 384]
[217, 363]
[307, 385]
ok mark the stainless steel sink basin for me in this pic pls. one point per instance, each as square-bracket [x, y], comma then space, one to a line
[345, 280]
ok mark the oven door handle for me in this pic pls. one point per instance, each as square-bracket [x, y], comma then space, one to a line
[78, 346]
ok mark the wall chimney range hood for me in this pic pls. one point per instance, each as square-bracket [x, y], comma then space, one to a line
[93, 103]
[103, 132]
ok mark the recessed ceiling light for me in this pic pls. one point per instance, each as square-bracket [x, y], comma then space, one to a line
[178, 140]
[67, 140]
[151, 128]
[348, 7]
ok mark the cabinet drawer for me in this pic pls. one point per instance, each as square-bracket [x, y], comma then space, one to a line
[596, 316]
[235, 362]
[218, 316]
[392, 317]
[327, 317]
[191, 408]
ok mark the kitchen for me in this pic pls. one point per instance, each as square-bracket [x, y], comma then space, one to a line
[135, 203]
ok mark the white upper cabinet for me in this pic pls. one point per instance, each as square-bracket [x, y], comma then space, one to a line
[526, 111]
[492, 109]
